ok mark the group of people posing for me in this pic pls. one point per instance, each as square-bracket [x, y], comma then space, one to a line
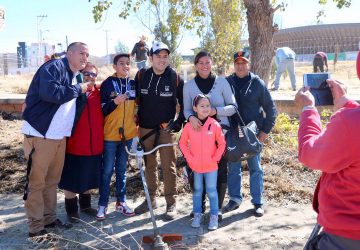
[75, 134]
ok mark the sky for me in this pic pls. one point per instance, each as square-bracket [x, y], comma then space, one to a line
[73, 19]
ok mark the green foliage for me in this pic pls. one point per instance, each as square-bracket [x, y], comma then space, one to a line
[222, 38]
[339, 3]
[121, 48]
[285, 130]
[325, 115]
[99, 9]
[176, 61]
[172, 16]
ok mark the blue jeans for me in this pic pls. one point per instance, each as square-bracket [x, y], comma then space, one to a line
[114, 156]
[141, 64]
[210, 183]
[256, 180]
[289, 65]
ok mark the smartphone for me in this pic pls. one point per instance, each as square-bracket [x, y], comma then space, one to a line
[319, 88]
[127, 93]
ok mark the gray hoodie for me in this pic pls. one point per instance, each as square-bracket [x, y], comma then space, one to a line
[221, 98]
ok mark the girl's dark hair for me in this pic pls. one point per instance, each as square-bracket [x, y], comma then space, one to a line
[201, 54]
[118, 56]
[198, 98]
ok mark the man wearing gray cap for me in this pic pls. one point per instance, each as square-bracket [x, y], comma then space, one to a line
[159, 89]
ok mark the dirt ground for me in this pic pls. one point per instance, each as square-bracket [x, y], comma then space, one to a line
[282, 227]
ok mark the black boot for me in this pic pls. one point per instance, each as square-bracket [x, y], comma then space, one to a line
[71, 208]
[85, 204]
[221, 189]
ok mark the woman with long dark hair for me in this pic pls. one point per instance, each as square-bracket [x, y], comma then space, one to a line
[222, 106]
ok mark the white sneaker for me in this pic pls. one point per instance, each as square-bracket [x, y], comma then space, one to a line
[259, 210]
[123, 208]
[213, 224]
[197, 220]
[101, 213]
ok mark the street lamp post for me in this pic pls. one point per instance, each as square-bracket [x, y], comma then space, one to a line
[39, 34]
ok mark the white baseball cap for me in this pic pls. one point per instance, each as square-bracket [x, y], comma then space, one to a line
[157, 47]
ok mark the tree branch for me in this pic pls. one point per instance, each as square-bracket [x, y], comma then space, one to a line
[276, 8]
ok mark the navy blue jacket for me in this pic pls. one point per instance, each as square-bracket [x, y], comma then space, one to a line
[49, 89]
[254, 101]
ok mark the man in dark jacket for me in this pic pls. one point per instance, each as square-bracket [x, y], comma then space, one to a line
[140, 52]
[255, 104]
[48, 119]
[159, 89]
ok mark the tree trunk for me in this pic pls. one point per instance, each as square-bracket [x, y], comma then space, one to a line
[260, 26]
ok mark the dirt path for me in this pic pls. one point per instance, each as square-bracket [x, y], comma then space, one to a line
[285, 227]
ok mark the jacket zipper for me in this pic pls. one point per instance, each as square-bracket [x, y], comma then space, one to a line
[123, 125]
[90, 127]
[202, 154]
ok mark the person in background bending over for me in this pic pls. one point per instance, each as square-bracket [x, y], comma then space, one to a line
[320, 59]
[285, 60]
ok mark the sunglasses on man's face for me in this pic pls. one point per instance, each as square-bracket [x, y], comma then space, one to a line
[91, 74]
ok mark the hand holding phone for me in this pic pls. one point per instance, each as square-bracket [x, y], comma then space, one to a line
[120, 99]
[319, 88]
[90, 85]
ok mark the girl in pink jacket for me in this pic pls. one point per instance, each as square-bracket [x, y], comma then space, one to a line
[203, 149]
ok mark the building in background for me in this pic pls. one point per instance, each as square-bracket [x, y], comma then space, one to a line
[336, 40]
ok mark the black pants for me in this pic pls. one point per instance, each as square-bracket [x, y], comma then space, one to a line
[318, 63]
[326, 241]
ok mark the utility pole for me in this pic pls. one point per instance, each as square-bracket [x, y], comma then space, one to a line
[107, 47]
[39, 31]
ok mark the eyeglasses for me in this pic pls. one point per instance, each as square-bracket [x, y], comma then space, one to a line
[91, 74]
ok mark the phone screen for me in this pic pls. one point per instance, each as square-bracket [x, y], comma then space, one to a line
[315, 80]
[319, 88]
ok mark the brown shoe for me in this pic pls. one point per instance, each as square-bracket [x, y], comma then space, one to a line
[59, 224]
[170, 212]
[143, 207]
[37, 234]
